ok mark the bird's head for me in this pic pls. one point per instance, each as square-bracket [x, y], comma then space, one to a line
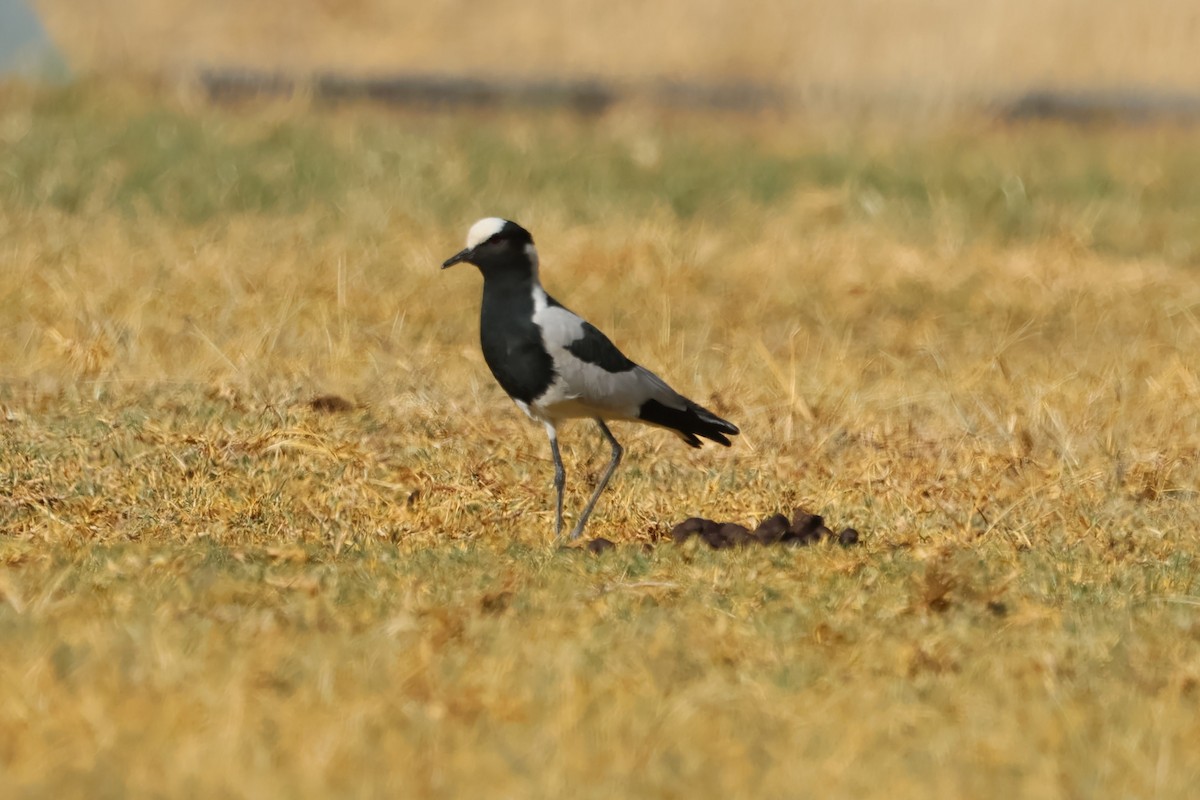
[495, 244]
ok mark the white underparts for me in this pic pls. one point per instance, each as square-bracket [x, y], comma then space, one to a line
[521, 404]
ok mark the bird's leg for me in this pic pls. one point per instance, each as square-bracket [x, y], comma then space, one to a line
[617, 450]
[560, 479]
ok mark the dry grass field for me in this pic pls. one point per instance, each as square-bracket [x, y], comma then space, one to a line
[933, 50]
[976, 345]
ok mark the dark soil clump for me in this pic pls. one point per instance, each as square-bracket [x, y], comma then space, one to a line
[804, 528]
[599, 545]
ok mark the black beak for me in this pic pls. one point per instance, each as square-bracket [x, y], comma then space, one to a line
[457, 258]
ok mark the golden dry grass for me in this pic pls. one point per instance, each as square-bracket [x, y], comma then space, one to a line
[977, 346]
[932, 49]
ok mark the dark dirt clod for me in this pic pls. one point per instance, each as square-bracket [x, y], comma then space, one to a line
[689, 527]
[599, 545]
[803, 521]
[714, 536]
[735, 535]
[330, 404]
[495, 603]
[804, 529]
[997, 608]
[771, 529]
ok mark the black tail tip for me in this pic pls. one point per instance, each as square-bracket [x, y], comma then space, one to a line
[689, 423]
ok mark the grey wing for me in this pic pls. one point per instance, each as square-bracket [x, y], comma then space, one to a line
[592, 372]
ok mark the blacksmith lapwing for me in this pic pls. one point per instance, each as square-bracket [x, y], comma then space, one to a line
[557, 366]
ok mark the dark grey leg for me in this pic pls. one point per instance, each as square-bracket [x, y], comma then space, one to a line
[617, 450]
[560, 479]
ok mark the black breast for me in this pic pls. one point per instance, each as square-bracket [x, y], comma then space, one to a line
[512, 344]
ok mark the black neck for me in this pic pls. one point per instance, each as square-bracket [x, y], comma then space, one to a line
[512, 344]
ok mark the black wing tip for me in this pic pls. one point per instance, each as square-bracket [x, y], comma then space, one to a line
[717, 427]
[690, 423]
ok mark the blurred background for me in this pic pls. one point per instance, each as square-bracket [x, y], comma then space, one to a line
[858, 51]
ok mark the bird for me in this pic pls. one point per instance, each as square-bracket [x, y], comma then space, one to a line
[557, 366]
